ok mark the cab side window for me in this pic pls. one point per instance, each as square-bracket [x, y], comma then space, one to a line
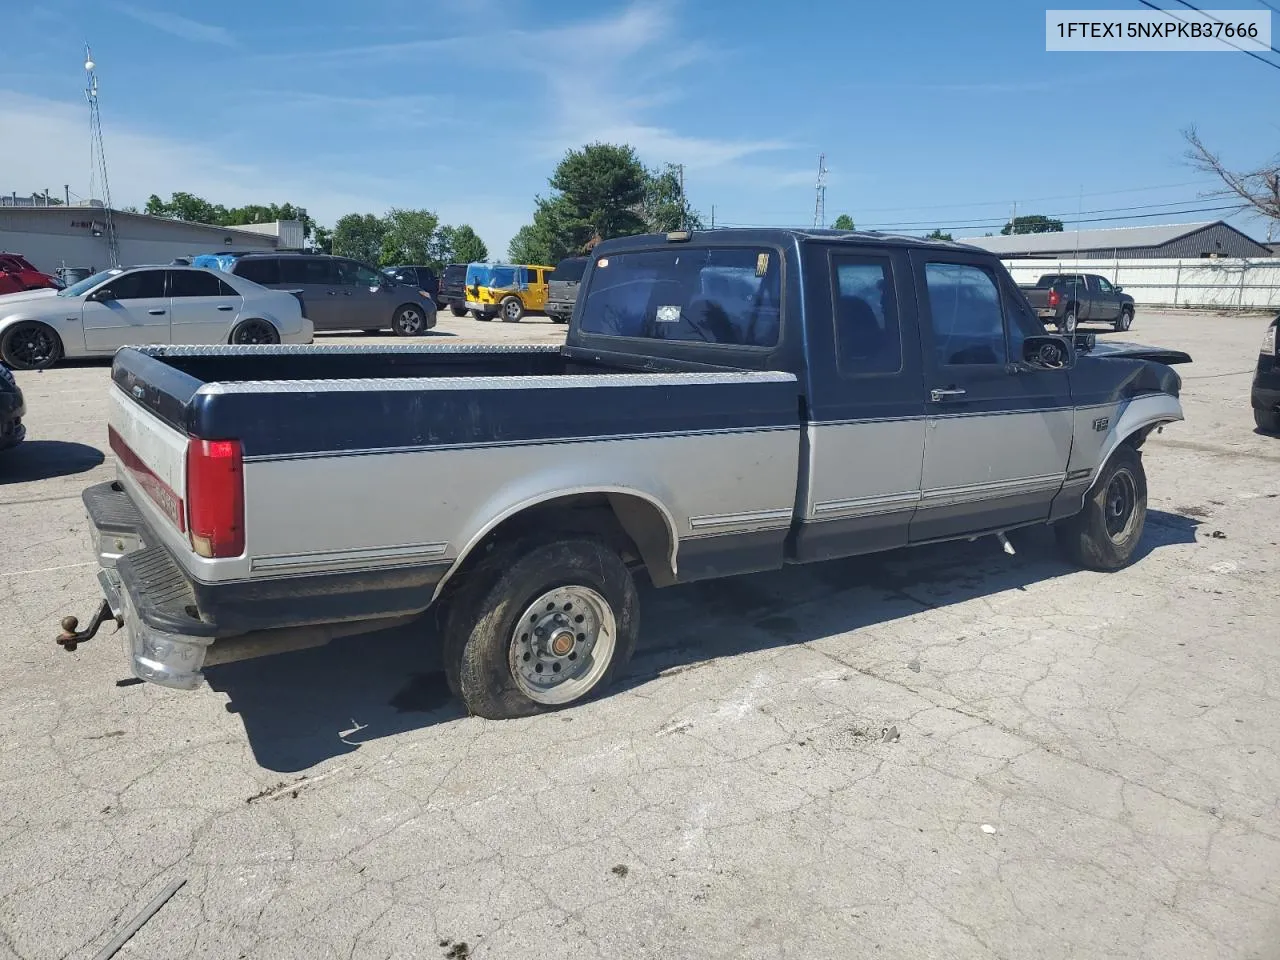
[867, 333]
[964, 309]
[139, 285]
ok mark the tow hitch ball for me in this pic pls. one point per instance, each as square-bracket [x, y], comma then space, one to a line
[69, 638]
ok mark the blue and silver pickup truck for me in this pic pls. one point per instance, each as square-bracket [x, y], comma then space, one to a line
[726, 402]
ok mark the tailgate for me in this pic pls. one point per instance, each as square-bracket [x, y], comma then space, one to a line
[152, 458]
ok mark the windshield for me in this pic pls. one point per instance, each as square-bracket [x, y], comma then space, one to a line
[88, 283]
[502, 277]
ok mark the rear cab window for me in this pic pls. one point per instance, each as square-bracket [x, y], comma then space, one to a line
[569, 271]
[728, 296]
[868, 334]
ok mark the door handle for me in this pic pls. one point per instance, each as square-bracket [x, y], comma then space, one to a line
[223, 306]
[937, 396]
[156, 313]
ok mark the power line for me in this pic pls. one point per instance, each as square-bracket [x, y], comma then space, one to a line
[1144, 206]
[1174, 16]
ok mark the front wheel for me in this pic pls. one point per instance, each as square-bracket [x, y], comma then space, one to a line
[254, 333]
[1124, 321]
[1070, 322]
[30, 345]
[1268, 421]
[1105, 534]
[481, 315]
[556, 318]
[541, 627]
[457, 311]
[409, 321]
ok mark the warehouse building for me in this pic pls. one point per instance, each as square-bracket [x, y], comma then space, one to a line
[1210, 238]
[78, 237]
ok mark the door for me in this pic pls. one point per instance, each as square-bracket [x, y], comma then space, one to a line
[317, 278]
[998, 433]
[131, 310]
[535, 295]
[865, 435]
[203, 307]
[367, 298]
[1106, 302]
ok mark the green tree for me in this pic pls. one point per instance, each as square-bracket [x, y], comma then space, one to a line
[600, 190]
[322, 239]
[843, 222]
[408, 236]
[666, 207]
[938, 235]
[359, 235]
[186, 206]
[460, 244]
[531, 245]
[1032, 223]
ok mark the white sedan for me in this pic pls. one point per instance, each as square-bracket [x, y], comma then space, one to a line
[145, 305]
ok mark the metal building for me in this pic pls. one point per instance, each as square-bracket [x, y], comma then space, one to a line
[1210, 238]
[76, 236]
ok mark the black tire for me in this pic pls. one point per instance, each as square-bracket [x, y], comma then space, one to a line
[30, 345]
[511, 310]
[481, 641]
[254, 332]
[481, 315]
[1124, 321]
[1104, 535]
[408, 321]
[558, 319]
[457, 311]
[1069, 322]
[1268, 421]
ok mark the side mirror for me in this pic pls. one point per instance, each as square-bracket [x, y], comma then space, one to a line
[1118, 289]
[101, 296]
[1047, 353]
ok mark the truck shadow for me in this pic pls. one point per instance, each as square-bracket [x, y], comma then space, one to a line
[301, 708]
[44, 459]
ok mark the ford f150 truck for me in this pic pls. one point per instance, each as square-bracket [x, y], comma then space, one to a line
[1066, 300]
[726, 402]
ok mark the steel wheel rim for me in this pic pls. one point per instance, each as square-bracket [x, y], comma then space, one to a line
[1125, 320]
[1069, 322]
[31, 345]
[1119, 504]
[511, 310]
[563, 644]
[409, 320]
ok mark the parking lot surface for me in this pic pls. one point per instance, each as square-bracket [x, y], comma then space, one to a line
[944, 752]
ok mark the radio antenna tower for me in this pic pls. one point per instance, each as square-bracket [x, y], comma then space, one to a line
[820, 201]
[98, 158]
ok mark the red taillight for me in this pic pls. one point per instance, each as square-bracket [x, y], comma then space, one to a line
[1054, 299]
[215, 497]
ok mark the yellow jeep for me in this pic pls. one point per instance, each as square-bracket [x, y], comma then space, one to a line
[506, 290]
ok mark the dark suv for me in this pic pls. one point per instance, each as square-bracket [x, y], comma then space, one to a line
[453, 289]
[420, 278]
[1265, 397]
[342, 294]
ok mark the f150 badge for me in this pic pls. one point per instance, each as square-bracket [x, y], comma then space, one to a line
[1101, 423]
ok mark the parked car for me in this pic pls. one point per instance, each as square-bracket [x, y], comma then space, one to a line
[562, 287]
[509, 291]
[453, 289]
[145, 305]
[341, 294]
[12, 409]
[1265, 396]
[692, 426]
[1067, 299]
[420, 278]
[20, 271]
[10, 284]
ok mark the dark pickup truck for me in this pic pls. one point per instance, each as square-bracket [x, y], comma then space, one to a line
[1265, 395]
[726, 402]
[1066, 300]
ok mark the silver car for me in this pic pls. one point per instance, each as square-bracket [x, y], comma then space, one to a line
[343, 294]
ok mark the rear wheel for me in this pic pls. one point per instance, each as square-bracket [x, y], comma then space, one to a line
[408, 321]
[254, 332]
[481, 315]
[30, 345]
[1105, 534]
[1268, 421]
[512, 310]
[540, 627]
[1070, 321]
[457, 311]
[1124, 321]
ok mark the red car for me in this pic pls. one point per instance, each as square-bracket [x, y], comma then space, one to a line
[17, 274]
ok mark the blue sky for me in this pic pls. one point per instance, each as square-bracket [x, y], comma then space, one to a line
[928, 111]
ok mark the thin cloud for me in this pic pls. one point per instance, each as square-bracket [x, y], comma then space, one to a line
[178, 26]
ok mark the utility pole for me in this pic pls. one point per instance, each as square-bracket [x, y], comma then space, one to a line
[1013, 219]
[66, 194]
[820, 199]
[713, 216]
